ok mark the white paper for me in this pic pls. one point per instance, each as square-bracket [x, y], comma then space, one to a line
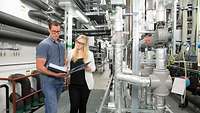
[179, 86]
[57, 67]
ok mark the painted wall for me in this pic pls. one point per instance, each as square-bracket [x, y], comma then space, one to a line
[24, 53]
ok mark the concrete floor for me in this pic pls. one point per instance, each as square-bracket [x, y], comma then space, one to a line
[101, 82]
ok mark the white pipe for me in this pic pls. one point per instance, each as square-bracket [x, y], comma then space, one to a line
[174, 26]
[137, 80]
[70, 22]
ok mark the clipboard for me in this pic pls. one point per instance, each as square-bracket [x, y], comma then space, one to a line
[78, 68]
[61, 69]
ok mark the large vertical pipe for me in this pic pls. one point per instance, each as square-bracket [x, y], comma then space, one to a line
[198, 24]
[137, 17]
[69, 33]
[174, 25]
[65, 31]
[194, 21]
[160, 11]
[184, 20]
[118, 55]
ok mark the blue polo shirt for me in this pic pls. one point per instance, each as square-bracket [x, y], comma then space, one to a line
[53, 52]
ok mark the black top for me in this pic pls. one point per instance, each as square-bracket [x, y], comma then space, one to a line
[77, 78]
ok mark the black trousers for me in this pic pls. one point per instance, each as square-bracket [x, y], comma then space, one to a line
[78, 98]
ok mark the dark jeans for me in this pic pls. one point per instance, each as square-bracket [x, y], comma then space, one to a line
[78, 98]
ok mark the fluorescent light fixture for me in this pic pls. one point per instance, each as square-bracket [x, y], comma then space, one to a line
[81, 16]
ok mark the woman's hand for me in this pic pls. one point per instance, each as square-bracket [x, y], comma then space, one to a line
[88, 69]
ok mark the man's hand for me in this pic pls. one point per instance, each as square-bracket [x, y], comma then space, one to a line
[60, 75]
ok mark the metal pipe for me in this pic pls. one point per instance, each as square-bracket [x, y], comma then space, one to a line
[184, 22]
[35, 14]
[174, 25]
[7, 96]
[69, 27]
[134, 79]
[160, 103]
[161, 54]
[39, 4]
[91, 30]
[194, 22]
[20, 36]
[20, 23]
[118, 69]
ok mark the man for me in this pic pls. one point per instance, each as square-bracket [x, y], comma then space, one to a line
[148, 39]
[51, 50]
[146, 42]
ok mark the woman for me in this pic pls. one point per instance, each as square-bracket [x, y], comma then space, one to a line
[81, 82]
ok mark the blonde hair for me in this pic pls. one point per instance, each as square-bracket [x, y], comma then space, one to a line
[85, 50]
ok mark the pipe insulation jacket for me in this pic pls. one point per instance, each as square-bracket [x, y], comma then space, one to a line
[38, 14]
[19, 36]
[137, 80]
[40, 4]
[20, 23]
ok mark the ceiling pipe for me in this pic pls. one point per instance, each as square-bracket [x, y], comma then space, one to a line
[35, 14]
[91, 31]
[20, 23]
[40, 4]
[96, 34]
[20, 36]
[80, 4]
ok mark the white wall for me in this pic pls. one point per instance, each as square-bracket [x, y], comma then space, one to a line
[26, 50]
[18, 9]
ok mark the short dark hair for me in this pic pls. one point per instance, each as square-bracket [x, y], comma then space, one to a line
[147, 34]
[53, 23]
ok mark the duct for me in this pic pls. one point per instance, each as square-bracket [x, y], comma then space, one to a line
[20, 36]
[39, 4]
[134, 79]
[38, 14]
[20, 23]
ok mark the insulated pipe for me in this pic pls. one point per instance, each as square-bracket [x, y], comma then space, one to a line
[39, 4]
[80, 4]
[91, 31]
[7, 96]
[134, 79]
[20, 23]
[97, 34]
[20, 36]
[38, 14]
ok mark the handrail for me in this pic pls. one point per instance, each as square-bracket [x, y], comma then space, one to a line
[105, 95]
[13, 82]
